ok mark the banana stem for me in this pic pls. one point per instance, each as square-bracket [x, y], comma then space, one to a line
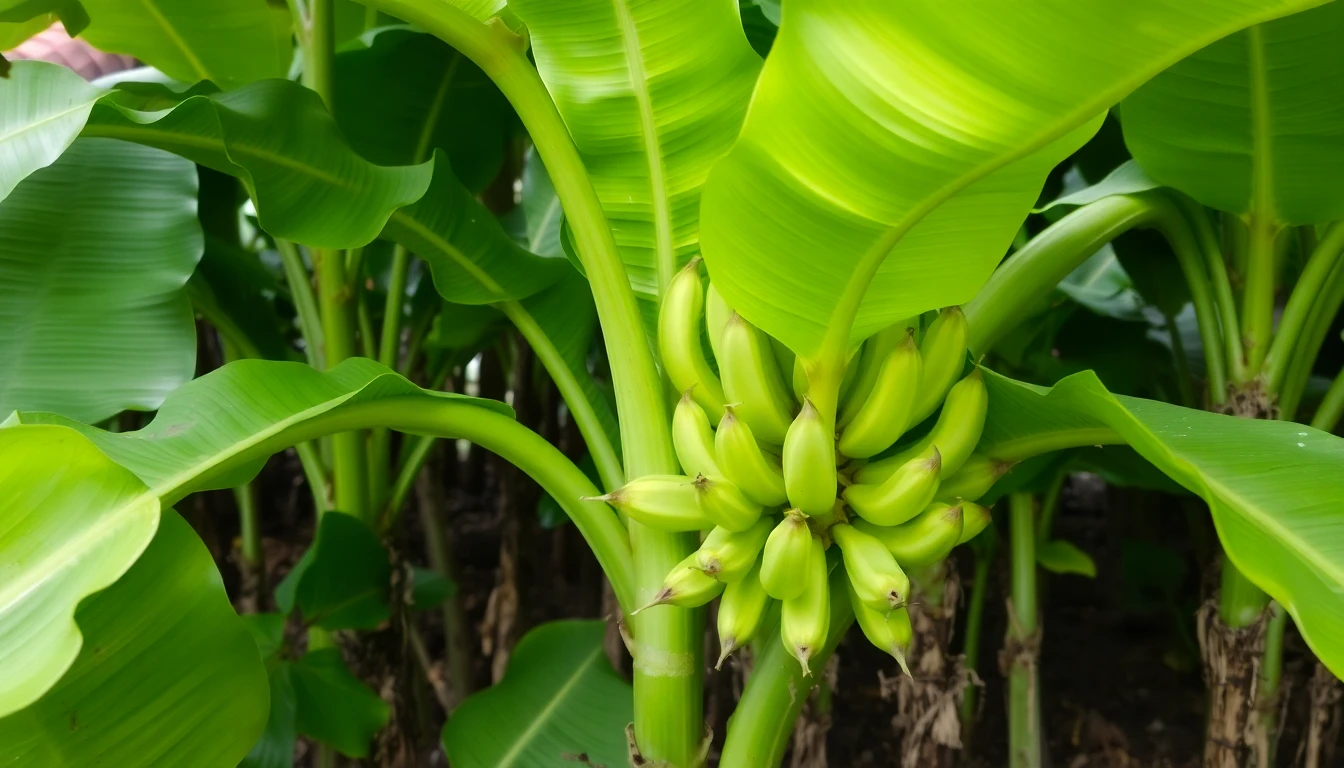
[1332, 407]
[1024, 707]
[1032, 273]
[1309, 342]
[759, 729]
[1224, 298]
[1298, 309]
[1184, 242]
[1240, 601]
[1271, 674]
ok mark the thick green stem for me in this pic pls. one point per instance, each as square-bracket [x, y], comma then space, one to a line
[667, 641]
[1309, 343]
[1257, 302]
[1331, 408]
[305, 301]
[1240, 601]
[1033, 272]
[1176, 228]
[975, 621]
[1024, 706]
[585, 417]
[1267, 697]
[759, 729]
[249, 534]
[1298, 309]
[1223, 295]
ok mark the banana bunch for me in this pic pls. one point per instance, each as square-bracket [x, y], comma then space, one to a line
[787, 493]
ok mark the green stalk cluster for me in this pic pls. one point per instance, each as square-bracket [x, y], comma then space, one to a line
[786, 493]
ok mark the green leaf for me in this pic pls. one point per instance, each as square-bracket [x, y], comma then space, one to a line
[342, 581]
[167, 675]
[560, 698]
[61, 501]
[94, 251]
[1127, 179]
[1060, 556]
[892, 151]
[653, 94]
[234, 291]
[1102, 285]
[409, 94]
[541, 209]
[429, 589]
[42, 108]
[334, 706]
[228, 42]
[217, 430]
[1274, 487]
[1252, 121]
[275, 748]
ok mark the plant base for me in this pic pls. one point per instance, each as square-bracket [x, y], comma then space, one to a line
[927, 704]
[1326, 719]
[1231, 659]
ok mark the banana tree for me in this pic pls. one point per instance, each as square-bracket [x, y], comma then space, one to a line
[873, 169]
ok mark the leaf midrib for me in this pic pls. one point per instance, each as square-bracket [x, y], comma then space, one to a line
[540, 720]
[639, 86]
[168, 29]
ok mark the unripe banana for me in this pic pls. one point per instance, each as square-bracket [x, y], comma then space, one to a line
[806, 618]
[742, 461]
[686, 586]
[944, 353]
[665, 502]
[679, 320]
[752, 381]
[956, 433]
[874, 353]
[727, 555]
[922, 541]
[809, 462]
[974, 479]
[900, 497]
[974, 519]
[785, 558]
[885, 415]
[890, 631]
[717, 312]
[873, 573]
[723, 503]
[693, 437]
[740, 612]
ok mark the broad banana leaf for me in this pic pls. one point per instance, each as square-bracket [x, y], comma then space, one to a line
[77, 524]
[560, 698]
[892, 150]
[653, 92]
[1254, 121]
[42, 109]
[167, 674]
[309, 187]
[228, 42]
[1274, 487]
[94, 253]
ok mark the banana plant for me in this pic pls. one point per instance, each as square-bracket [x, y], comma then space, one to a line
[811, 404]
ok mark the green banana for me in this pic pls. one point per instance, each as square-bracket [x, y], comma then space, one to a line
[716, 319]
[944, 353]
[874, 353]
[922, 541]
[728, 555]
[740, 612]
[784, 559]
[806, 618]
[890, 631]
[752, 381]
[956, 433]
[693, 438]
[665, 502]
[974, 479]
[686, 587]
[741, 460]
[809, 462]
[873, 573]
[679, 320]
[885, 415]
[902, 495]
[722, 502]
[974, 519]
